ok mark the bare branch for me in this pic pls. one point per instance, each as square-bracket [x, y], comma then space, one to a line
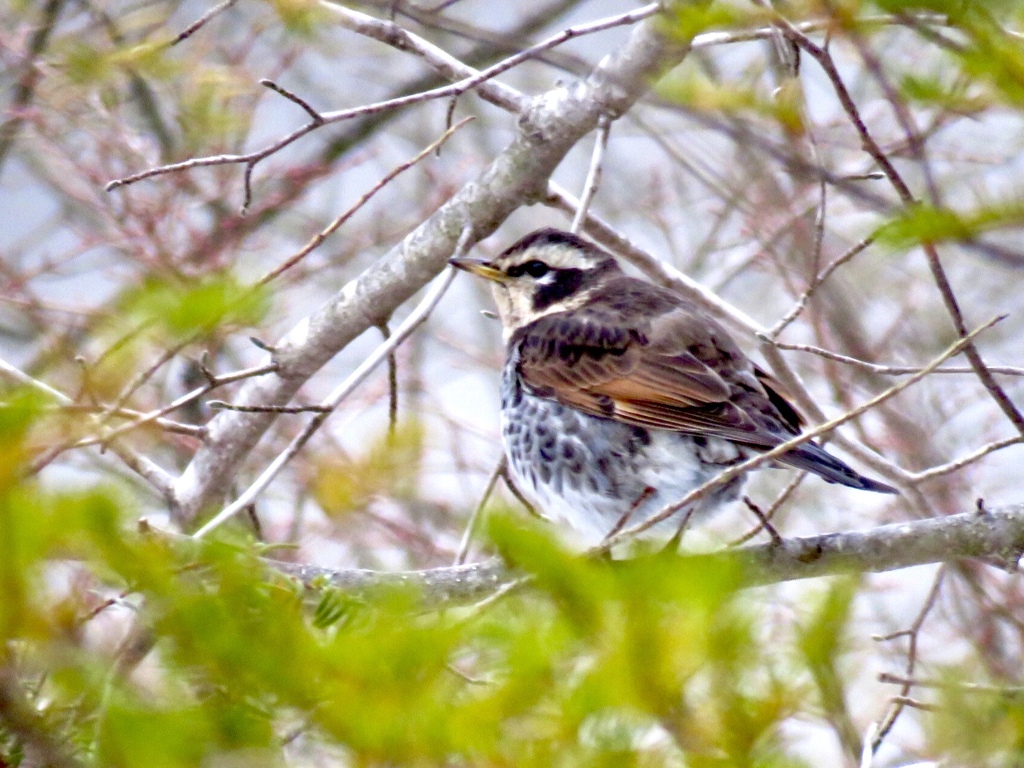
[819, 279]
[467, 536]
[365, 198]
[315, 116]
[220, 405]
[438, 59]
[594, 173]
[824, 59]
[659, 271]
[997, 534]
[920, 682]
[325, 118]
[970, 458]
[199, 23]
[891, 370]
[155, 415]
[897, 703]
[333, 400]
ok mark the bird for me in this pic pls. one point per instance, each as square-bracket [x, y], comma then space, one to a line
[619, 396]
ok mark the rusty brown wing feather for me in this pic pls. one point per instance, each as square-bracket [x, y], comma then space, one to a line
[653, 363]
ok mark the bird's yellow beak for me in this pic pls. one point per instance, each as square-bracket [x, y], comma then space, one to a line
[479, 267]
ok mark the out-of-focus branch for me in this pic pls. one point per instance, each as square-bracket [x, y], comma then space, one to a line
[25, 90]
[146, 468]
[824, 59]
[991, 534]
[549, 128]
[42, 746]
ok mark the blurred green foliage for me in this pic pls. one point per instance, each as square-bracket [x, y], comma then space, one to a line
[300, 16]
[927, 224]
[590, 663]
[179, 310]
[387, 468]
[978, 726]
[653, 661]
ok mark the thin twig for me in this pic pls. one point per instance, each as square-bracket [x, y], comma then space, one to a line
[442, 62]
[1002, 690]
[467, 535]
[897, 703]
[155, 475]
[764, 521]
[970, 458]
[220, 405]
[195, 394]
[141, 378]
[657, 270]
[392, 383]
[712, 39]
[199, 23]
[769, 513]
[891, 370]
[250, 159]
[604, 125]
[314, 115]
[168, 425]
[499, 594]
[821, 277]
[365, 198]
[908, 701]
[342, 391]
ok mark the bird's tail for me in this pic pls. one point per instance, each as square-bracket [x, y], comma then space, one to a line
[815, 459]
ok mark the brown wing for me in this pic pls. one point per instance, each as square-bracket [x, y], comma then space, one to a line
[667, 368]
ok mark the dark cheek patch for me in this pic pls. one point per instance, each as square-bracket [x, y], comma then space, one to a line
[566, 282]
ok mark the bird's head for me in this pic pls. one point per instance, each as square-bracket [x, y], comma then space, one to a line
[547, 271]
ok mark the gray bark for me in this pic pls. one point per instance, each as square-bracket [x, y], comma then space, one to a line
[995, 535]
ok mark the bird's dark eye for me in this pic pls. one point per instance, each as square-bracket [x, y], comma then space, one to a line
[535, 268]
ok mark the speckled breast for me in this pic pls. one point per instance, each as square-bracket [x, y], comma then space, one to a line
[589, 472]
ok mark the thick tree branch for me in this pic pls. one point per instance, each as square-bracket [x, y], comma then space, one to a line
[995, 535]
[549, 128]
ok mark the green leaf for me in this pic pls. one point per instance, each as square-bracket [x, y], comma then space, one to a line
[579, 585]
[199, 307]
[300, 16]
[926, 224]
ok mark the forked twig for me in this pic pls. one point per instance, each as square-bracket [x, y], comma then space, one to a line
[331, 402]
